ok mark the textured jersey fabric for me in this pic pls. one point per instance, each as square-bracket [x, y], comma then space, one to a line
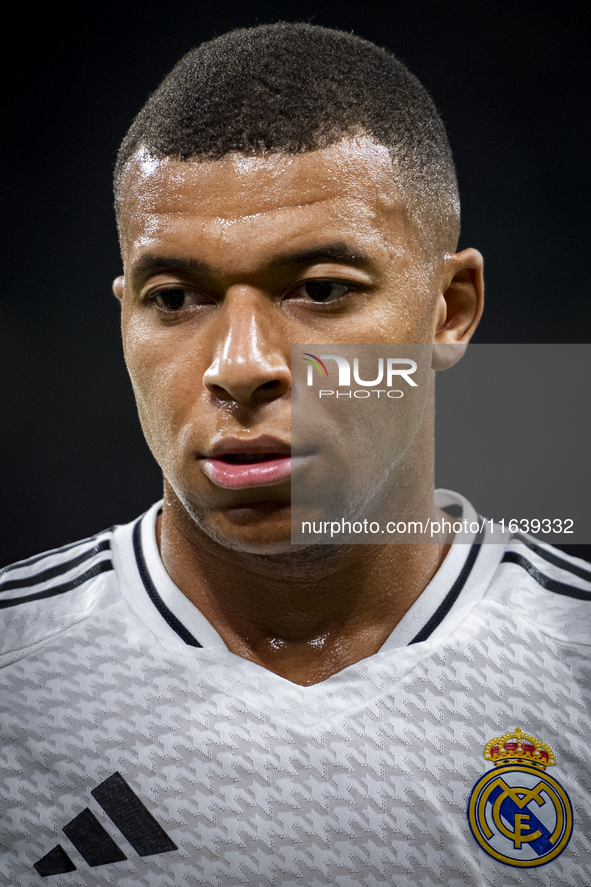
[135, 749]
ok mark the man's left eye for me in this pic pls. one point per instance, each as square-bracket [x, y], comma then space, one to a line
[326, 290]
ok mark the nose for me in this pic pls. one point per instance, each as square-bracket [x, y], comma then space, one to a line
[251, 353]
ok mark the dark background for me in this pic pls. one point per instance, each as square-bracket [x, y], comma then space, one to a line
[510, 82]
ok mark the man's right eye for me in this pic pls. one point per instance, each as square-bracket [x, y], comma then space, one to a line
[174, 299]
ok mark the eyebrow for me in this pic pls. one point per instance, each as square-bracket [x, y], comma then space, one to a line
[332, 252]
[150, 264]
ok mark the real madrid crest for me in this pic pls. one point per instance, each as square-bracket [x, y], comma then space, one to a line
[518, 813]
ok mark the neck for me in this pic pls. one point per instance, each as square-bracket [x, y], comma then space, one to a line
[304, 615]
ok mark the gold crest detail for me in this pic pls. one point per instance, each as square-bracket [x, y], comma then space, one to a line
[517, 747]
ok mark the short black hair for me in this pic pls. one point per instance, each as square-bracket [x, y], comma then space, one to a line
[296, 87]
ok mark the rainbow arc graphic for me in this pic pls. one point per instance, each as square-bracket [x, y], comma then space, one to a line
[315, 362]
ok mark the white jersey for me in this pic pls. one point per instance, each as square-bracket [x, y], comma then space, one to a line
[137, 750]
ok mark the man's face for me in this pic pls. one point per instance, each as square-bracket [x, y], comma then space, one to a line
[227, 263]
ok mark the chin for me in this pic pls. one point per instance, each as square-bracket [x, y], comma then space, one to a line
[263, 548]
[257, 528]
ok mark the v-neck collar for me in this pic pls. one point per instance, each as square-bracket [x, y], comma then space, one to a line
[458, 584]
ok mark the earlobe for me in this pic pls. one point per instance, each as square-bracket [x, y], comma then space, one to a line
[118, 287]
[463, 295]
[445, 356]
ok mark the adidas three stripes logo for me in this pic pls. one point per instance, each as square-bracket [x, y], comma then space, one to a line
[95, 844]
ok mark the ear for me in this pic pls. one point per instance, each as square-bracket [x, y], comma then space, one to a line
[460, 306]
[118, 287]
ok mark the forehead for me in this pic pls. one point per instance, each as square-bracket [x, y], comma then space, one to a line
[351, 188]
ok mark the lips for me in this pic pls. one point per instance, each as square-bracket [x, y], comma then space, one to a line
[236, 464]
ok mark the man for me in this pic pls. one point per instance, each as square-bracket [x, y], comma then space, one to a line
[190, 699]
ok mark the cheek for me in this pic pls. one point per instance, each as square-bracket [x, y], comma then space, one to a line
[167, 384]
[405, 317]
[405, 311]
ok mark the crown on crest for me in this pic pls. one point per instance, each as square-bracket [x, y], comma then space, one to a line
[518, 747]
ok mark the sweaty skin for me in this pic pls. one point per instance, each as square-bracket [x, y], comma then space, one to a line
[226, 264]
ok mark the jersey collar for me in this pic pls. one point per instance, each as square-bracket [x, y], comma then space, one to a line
[459, 583]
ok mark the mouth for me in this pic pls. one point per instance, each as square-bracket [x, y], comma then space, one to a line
[235, 464]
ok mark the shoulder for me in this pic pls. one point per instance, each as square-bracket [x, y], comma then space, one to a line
[48, 574]
[547, 587]
[43, 595]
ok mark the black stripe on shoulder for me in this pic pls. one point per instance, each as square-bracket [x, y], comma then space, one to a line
[450, 598]
[57, 570]
[511, 557]
[29, 561]
[554, 559]
[101, 567]
[166, 614]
